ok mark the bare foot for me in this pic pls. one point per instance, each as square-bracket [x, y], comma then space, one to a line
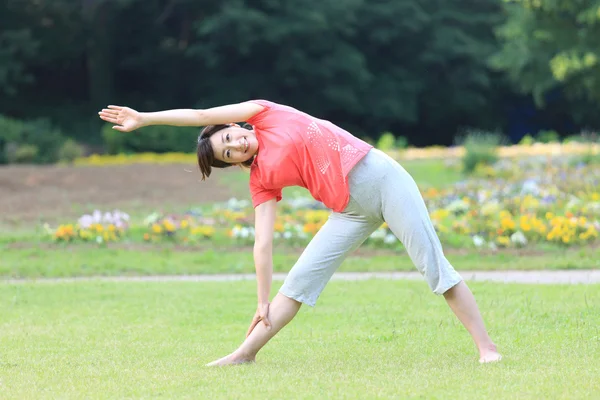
[489, 355]
[232, 359]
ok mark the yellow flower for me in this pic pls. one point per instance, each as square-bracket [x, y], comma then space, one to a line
[440, 214]
[595, 196]
[184, 224]
[507, 223]
[566, 239]
[206, 231]
[549, 215]
[169, 226]
[503, 240]
[156, 228]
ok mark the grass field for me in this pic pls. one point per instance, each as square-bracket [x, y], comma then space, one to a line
[89, 260]
[364, 340]
[372, 339]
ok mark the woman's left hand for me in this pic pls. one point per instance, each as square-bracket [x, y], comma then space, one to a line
[262, 314]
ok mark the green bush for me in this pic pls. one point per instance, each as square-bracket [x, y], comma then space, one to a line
[25, 154]
[480, 149]
[401, 142]
[113, 140]
[527, 140]
[69, 151]
[548, 137]
[15, 134]
[583, 137]
[386, 141]
[155, 139]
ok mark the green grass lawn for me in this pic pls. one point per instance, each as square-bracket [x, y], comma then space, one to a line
[364, 340]
[427, 173]
[89, 260]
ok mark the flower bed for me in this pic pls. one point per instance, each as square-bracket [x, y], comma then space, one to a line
[517, 203]
[440, 152]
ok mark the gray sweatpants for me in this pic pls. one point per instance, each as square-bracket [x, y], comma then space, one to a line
[380, 190]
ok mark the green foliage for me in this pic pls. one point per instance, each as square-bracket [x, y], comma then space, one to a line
[590, 158]
[114, 140]
[527, 140]
[401, 142]
[69, 151]
[156, 139]
[548, 136]
[583, 137]
[547, 44]
[25, 154]
[18, 139]
[372, 66]
[386, 141]
[480, 149]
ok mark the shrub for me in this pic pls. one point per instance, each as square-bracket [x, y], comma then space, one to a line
[27, 135]
[480, 148]
[548, 137]
[70, 151]
[152, 139]
[25, 154]
[527, 140]
[401, 142]
[113, 140]
[386, 141]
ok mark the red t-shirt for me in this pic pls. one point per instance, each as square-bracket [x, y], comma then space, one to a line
[296, 149]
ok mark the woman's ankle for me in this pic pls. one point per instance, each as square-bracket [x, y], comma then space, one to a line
[241, 355]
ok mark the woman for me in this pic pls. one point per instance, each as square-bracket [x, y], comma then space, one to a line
[361, 185]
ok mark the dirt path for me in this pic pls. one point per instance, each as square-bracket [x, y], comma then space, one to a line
[31, 193]
[526, 277]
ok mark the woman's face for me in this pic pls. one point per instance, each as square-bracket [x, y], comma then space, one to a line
[234, 145]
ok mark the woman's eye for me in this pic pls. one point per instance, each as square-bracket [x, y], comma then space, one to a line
[227, 137]
[228, 154]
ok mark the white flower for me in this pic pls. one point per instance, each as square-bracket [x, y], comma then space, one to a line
[107, 218]
[152, 218]
[378, 234]
[244, 232]
[97, 216]
[457, 207]
[478, 241]
[85, 221]
[287, 235]
[518, 238]
[389, 239]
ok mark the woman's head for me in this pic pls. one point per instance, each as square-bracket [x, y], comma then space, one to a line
[222, 146]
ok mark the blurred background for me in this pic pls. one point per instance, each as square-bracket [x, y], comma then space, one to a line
[423, 70]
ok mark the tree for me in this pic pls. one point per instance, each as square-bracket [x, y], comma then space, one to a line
[552, 44]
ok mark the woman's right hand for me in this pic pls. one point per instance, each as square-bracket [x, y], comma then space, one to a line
[125, 119]
[262, 314]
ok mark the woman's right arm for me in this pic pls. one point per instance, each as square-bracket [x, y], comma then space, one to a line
[265, 215]
[127, 119]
